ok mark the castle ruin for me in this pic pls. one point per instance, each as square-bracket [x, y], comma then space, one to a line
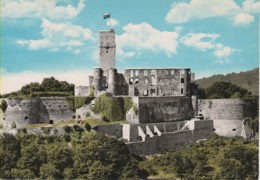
[170, 115]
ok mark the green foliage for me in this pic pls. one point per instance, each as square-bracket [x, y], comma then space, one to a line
[46, 130]
[92, 156]
[220, 90]
[216, 158]
[253, 124]
[135, 109]
[78, 116]
[87, 126]
[247, 80]
[112, 108]
[3, 105]
[87, 114]
[74, 116]
[50, 87]
[13, 125]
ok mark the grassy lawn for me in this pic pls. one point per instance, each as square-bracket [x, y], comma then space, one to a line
[91, 121]
[64, 123]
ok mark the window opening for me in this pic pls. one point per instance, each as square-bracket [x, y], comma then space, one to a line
[181, 91]
[182, 80]
[145, 72]
[172, 71]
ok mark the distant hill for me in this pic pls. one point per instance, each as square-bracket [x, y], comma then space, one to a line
[248, 80]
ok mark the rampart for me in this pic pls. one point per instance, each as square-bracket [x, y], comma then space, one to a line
[225, 109]
[162, 109]
[23, 112]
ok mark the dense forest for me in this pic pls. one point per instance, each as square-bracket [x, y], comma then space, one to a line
[81, 154]
[248, 80]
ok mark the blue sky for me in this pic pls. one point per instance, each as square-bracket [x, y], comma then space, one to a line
[43, 38]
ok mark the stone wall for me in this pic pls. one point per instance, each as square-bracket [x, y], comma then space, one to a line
[24, 112]
[163, 109]
[225, 109]
[131, 134]
[159, 81]
[82, 91]
[228, 128]
[172, 140]
[114, 130]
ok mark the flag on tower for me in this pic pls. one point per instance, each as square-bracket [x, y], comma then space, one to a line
[106, 16]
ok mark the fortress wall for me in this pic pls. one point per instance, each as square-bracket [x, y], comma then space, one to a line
[57, 108]
[226, 109]
[202, 129]
[163, 109]
[24, 112]
[82, 91]
[159, 144]
[115, 130]
[228, 128]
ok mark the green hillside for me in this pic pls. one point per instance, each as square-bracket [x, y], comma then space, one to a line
[247, 80]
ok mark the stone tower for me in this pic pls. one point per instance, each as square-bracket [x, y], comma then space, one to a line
[107, 49]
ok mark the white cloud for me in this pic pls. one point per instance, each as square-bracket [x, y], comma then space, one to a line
[77, 51]
[113, 22]
[178, 29]
[14, 82]
[144, 37]
[200, 41]
[58, 35]
[251, 6]
[40, 8]
[200, 9]
[224, 52]
[205, 42]
[243, 19]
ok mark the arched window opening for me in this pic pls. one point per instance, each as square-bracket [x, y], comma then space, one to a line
[131, 81]
[26, 118]
[51, 122]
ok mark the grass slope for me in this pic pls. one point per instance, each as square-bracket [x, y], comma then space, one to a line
[91, 121]
[248, 80]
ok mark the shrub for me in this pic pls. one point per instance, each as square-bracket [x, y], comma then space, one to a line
[46, 131]
[87, 114]
[78, 116]
[13, 125]
[87, 126]
[74, 116]
[135, 109]
[3, 105]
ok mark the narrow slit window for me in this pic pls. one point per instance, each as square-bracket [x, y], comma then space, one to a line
[181, 91]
